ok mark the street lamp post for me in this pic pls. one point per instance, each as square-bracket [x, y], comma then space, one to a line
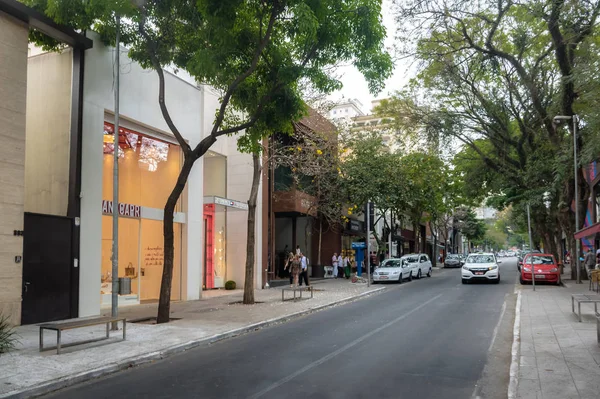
[574, 118]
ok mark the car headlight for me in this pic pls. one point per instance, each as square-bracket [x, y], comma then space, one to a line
[465, 268]
[492, 267]
[527, 269]
[554, 269]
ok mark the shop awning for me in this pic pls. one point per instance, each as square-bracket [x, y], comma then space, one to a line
[588, 231]
[228, 203]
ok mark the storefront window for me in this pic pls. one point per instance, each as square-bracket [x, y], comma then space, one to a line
[597, 201]
[148, 171]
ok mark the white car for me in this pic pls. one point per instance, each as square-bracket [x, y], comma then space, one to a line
[392, 270]
[420, 265]
[483, 266]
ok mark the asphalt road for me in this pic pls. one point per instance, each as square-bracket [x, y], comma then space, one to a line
[429, 338]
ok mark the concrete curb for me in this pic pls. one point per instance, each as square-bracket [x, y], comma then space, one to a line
[63, 382]
[516, 346]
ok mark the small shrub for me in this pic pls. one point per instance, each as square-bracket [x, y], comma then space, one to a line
[230, 285]
[8, 335]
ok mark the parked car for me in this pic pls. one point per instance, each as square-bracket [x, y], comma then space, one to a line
[419, 263]
[482, 266]
[545, 269]
[393, 270]
[453, 260]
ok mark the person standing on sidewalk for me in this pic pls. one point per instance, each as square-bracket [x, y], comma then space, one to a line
[303, 270]
[589, 261]
[294, 266]
[334, 263]
[340, 262]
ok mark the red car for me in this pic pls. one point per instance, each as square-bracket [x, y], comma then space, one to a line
[544, 266]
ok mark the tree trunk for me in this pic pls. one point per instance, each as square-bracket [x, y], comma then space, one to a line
[417, 236]
[164, 301]
[250, 243]
[434, 250]
[320, 241]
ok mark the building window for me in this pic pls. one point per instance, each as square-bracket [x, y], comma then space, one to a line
[148, 170]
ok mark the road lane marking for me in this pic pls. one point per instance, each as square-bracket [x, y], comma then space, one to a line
[339, 351]
[498, 324]
[514, 364]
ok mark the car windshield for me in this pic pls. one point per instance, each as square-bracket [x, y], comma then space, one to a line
[410, 259]
[540, 260]
[452, 256]
[391, 263]
[480, 259]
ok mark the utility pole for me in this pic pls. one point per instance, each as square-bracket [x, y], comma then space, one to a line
[574, 117]
[115, 211]
[368, 254]
[390, 238]
[530, 247]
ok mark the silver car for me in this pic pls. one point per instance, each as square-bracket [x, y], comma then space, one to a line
[393, 270]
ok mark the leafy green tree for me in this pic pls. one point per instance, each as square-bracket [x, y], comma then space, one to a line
[254, 52]
[471, 227]
[495, 74]
[369, 173]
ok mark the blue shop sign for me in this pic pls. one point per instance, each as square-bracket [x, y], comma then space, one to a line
[359, 245]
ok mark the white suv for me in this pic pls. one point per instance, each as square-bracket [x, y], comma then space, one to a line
[481, 267]
[419, 263]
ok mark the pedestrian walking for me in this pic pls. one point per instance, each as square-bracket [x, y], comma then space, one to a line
[293, 264]
[589, 261]
[347, 267]
[303, 270]
[298, 252]
[334, 263]
[340, 262]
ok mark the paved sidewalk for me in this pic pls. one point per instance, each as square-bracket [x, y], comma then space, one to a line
[559, 357]
[204, 321]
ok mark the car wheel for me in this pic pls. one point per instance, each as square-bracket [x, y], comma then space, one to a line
[429, 273]
[419, 274]
[410, 276]
[465, 281]
[497, 281]
[400, 278]
[521, 280]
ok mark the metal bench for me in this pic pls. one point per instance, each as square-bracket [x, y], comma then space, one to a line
[60, 326]
[583, 298]
[295, 289]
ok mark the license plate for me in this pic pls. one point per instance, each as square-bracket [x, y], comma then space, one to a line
[383, 277]
[478, 273]
[540, 276]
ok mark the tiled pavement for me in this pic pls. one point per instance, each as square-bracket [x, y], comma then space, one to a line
[559, 357]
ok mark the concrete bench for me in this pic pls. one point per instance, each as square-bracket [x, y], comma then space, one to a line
[296, 289]
[60, 326]
[583, 298]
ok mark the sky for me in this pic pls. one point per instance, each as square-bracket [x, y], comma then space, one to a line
[355, 85]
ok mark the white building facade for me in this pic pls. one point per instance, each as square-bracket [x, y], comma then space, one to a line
[211, 215]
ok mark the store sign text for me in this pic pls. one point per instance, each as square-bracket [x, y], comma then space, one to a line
[126, 210]
[231, 203]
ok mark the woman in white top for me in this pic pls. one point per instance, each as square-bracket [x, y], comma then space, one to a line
[334, 263]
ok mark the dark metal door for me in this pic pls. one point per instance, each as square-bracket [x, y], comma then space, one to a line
[47, 268]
